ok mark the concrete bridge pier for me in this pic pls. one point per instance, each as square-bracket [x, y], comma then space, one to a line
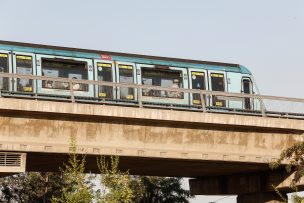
[265, 197]
[250, 188]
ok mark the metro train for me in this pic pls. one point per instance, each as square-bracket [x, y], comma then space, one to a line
[52, 61]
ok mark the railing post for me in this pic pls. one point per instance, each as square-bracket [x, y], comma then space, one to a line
[203, 102]
[139, 96]
[36, 95]
[72, 92]
[263, 109]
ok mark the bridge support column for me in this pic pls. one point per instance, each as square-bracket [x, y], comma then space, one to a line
[267, 197]
[250, 188]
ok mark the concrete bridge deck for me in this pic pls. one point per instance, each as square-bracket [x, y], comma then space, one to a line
[149, 141]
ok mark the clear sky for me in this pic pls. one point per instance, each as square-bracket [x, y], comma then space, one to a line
[265, 36]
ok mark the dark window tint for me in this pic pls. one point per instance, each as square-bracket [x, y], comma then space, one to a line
[218, 84]
[247, 90]
[65, 69]
[4, 68]
[24, 65]
[104, 73]
[126, 76]
[162, 78]
[246, 86]
[198, 82]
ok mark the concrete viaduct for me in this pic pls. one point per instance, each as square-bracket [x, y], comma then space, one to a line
[223, 153]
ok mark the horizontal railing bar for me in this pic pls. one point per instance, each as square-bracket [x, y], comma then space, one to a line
[125, 85]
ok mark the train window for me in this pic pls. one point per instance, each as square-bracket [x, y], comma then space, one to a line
[198, 82]
[218, 84]
[247, 90]
[246, 86]
[126, 76]
[4, 69]
[24, 65]
[163, 78]
[65, 69]
[104, 73]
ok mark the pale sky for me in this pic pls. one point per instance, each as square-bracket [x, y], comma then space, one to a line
[265, 36]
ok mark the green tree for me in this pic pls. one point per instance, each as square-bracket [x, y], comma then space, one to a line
[115, 184]
[294, 157]
[297, 199]
[77, 189]
[31, 187]
[159, 190]
[73, 185]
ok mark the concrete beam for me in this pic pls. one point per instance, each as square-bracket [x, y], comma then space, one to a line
[30, 132]
[198, 143]
[93, 110]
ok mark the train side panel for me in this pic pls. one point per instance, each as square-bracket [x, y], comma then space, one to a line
[234, 86]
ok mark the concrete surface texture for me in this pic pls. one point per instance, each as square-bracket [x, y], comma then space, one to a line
[149, 141]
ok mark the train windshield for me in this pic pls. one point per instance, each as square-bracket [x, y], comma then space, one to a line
[24, 65]
[4, 69]
[163, 78]
[65, 69]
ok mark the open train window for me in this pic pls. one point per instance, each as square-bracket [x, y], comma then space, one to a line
[65, 69]
[218, 84]
[104, 73]
[4, 68]
[164, 78]
[24, 65]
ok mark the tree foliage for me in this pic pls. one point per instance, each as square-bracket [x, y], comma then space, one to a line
[77, 189]
[297, 199]
[31, 187]
[159, 190]
[294, 157]
[115, 184]
[72, 185]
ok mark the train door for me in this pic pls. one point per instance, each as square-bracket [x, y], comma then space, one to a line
[5, 67]
[217, 82]
[24, 63]
[126, 74]
[104, 71]
[198, 80]
[247, 89]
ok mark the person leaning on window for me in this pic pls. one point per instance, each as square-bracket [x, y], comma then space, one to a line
[174, 94]
[76, 86]
[48, 84]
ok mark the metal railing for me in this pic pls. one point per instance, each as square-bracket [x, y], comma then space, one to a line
[261, 102]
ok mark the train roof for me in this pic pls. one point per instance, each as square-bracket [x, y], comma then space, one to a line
[88, 53]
